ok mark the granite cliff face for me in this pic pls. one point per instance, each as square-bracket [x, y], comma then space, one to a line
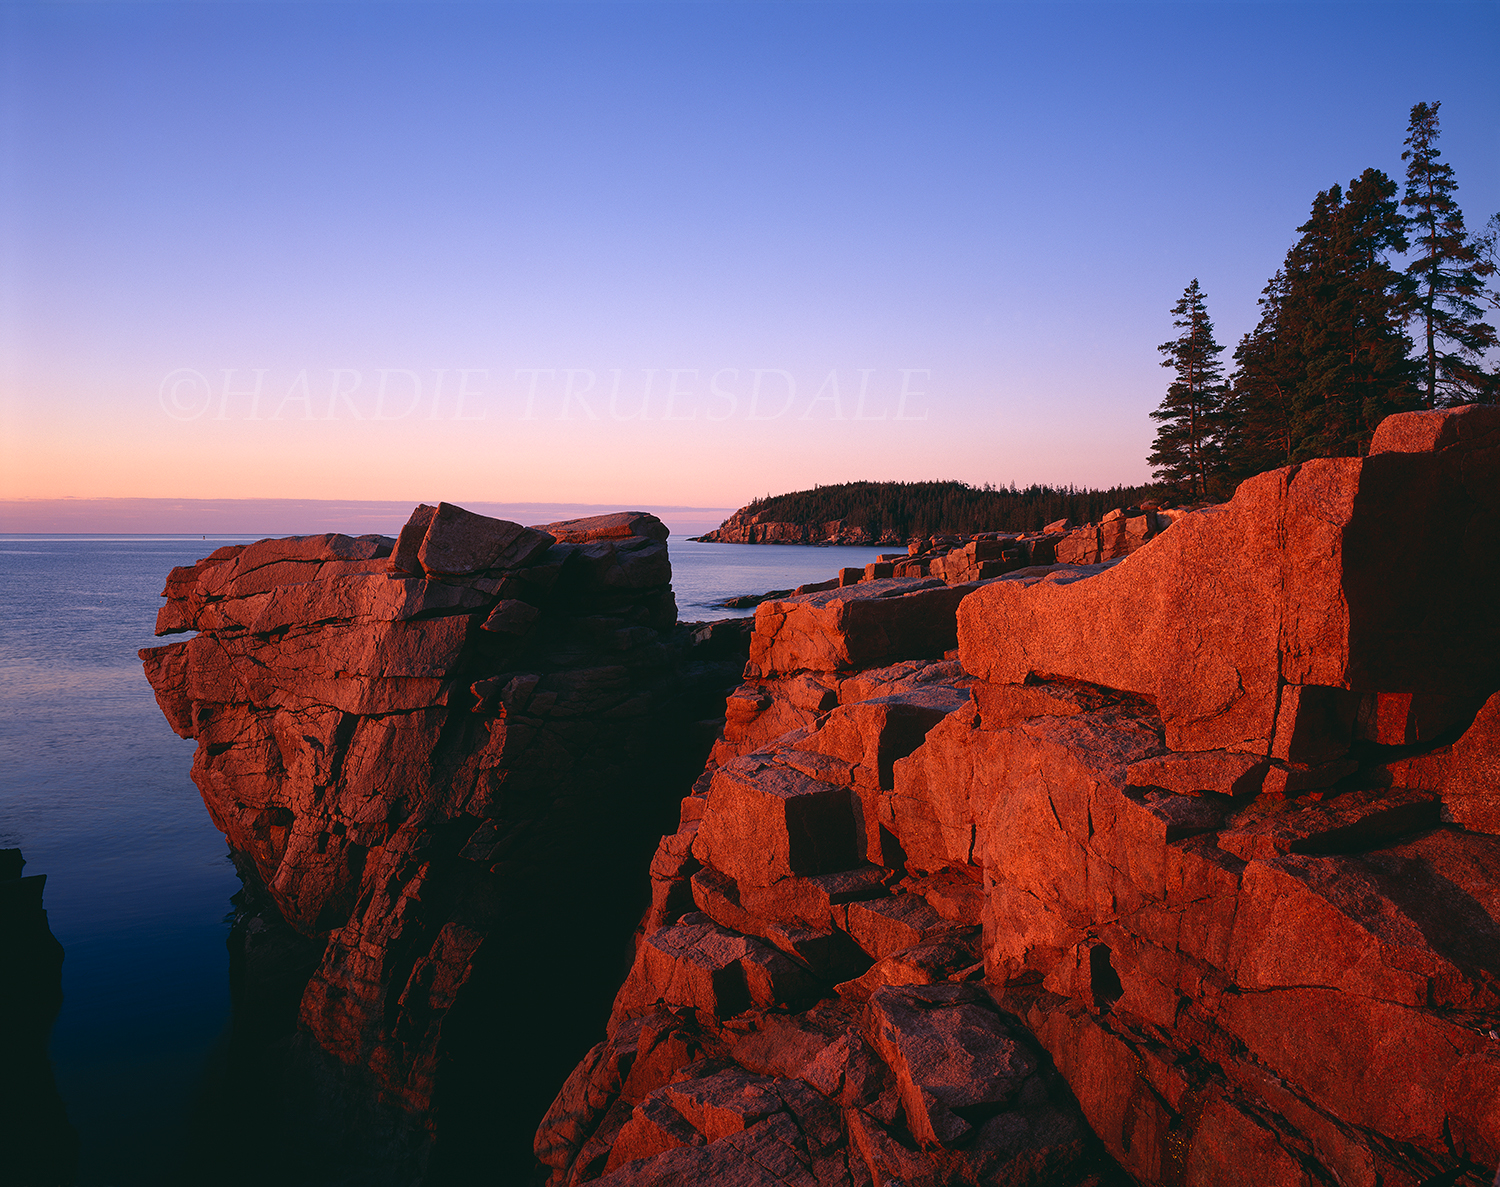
[439, 762]
[1181, 869]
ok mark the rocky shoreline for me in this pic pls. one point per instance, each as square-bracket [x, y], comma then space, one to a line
[957, 560]
[1181, 868]
[747, 526]
[1162, 850]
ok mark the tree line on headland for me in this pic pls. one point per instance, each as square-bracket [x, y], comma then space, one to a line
[1345, 338]
[906, 510]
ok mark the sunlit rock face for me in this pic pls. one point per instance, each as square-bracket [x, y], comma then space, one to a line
[442, 757]
[1183, 866]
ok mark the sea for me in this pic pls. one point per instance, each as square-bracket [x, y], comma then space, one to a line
[94, 790]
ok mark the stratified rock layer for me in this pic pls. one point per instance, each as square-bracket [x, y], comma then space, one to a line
[440, 755]
[1184, 865]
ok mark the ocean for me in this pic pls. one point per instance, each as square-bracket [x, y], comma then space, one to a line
[94, 789]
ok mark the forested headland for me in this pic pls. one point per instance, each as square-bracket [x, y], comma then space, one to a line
[906, 510]
[1379, 307]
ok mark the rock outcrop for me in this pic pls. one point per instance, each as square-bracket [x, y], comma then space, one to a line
[439, 757]
[756, 527]
[957, 561]
[1117, 534]
[1184, 867]
[37, 1145]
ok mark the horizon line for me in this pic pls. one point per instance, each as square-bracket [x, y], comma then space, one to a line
[130, 515]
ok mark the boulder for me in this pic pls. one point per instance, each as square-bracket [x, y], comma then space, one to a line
[458, 542]
[763, 822]
[619, 525]
[950, 1054]
[854, 627]
[696, 963]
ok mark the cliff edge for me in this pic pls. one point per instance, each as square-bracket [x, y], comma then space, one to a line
[1182, 868]
[437, 759]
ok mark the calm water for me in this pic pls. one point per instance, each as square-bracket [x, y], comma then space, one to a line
[703, 574]
[94, 789]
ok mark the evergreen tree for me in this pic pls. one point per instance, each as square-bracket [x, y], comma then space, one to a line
[1256, 434]
[1183, 452]
[1346, 304]
[1447, 275]
[1487, 249]
[1328, 360]
[910, 509]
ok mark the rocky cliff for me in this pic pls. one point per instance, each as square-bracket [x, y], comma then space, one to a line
[757, 527]
[440, 763]
[1181, 868]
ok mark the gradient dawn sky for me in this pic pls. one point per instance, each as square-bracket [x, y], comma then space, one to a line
[684, 253]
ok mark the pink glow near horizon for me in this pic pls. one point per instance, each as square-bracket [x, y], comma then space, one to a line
[681, 435]
[684, 255]
[275, 517]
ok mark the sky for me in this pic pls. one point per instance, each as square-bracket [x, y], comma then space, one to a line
[679, 254]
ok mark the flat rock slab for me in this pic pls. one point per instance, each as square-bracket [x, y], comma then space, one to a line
[1349, 823]
[871, 735]
[815, 901]
[1003, 705]
[827, 952]
[955, 893]
[1019, 1148]
[654, 1128]
[1416, 924]
[1228, 772]
[1466, 774]
[726, 1102]
[950, 958]
[616, 526]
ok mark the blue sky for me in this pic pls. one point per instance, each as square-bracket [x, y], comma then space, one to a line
[993, 206]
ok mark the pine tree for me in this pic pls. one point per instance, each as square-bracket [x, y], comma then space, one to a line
[1487, 249]
[1183, 452]
[1447, 274]
[1347, 305]
[1256, 433]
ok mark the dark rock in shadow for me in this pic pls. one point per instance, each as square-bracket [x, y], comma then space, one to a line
[38, 1148]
